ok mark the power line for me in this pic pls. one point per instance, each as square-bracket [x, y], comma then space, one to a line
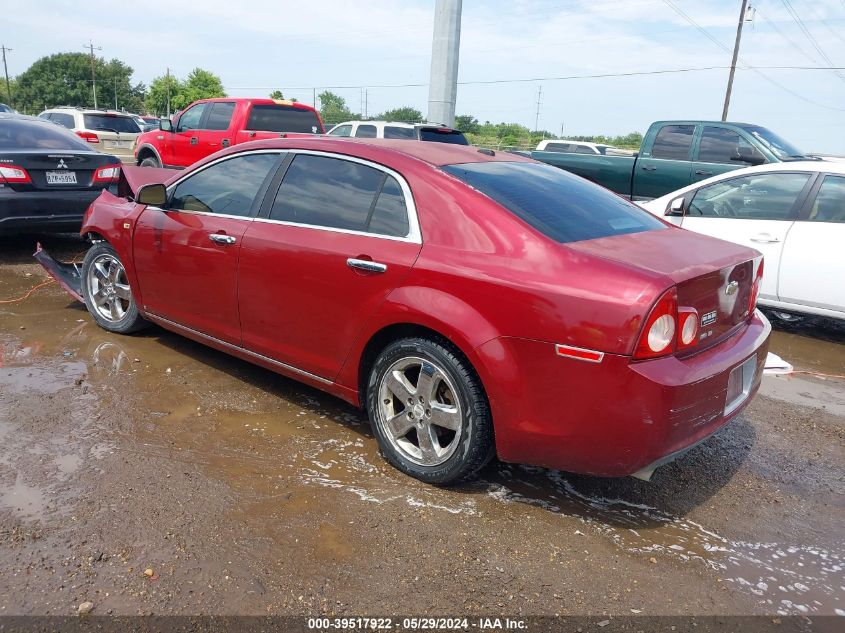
[704, 32]
[797, 19]
[794, 44]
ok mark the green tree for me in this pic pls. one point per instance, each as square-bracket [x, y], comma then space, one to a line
[333, 108]
[200, 84]
[277, 94]
[467, 123]
[405, 113]
[156, 99]
[65, 79]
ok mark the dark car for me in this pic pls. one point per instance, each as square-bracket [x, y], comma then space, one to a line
[48, 176]
[5, 108]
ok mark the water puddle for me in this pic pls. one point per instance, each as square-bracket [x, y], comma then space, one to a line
[25, 501]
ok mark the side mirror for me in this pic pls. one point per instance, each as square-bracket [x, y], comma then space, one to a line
[752, 157]
[154, 195]
[676, 207]
[165, 125]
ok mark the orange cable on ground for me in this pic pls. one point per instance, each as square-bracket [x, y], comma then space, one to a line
[29, 292]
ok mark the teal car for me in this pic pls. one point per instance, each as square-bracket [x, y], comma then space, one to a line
[675, 154]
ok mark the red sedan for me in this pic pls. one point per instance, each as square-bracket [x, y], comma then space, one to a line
[476, 303]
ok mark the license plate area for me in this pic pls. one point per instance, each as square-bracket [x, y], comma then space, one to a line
[61, 177]
[118, 144]
[740, 381]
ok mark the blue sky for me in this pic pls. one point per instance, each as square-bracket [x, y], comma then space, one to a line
[261, 45]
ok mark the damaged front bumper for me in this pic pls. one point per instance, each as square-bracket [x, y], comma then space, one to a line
[69, 276]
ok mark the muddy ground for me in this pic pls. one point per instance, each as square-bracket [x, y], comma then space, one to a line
[247, 493]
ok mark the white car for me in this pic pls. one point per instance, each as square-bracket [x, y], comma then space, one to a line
[792, 212]
[400, 130]
[581, 147]
[107, 131]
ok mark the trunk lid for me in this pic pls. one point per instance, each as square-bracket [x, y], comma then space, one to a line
[712, 276]
[52, 170]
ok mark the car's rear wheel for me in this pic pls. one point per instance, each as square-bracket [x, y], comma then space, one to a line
[150, 161]
[106, 291]
[429, 411]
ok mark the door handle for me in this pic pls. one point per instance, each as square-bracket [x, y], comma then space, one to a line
[764, 238]
[649, 168]
[703, 172]
[194, 140]
[365, 264]
[220, 238]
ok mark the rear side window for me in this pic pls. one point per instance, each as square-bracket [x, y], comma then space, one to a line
[583, 149]
[443, 135]
[110, 123]
[560, 205]
[340, 194]
[282, 118]
[227, 187]
[673, 142]
[38, 134]
[342, 130]
[829, 205]
[393, 131]
[220, 115]
[366, 131]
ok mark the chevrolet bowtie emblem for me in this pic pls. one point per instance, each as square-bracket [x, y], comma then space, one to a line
[731, 288]
[61, 164]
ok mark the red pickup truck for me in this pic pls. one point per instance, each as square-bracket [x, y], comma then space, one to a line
[209, 125]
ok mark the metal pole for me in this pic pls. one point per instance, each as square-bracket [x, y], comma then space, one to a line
[537, 116]
[115, 93]
[91, 47]
[445, 49]
[168, 93]
[6, 70]
[733, 61]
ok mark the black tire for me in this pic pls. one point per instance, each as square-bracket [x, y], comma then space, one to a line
[127, 320]
[150, 161]
[473, 447]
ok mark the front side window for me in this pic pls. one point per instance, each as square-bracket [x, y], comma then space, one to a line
[394, 131]
[366, 131]
[220, 115]
[342, 130]
[340, 194]
[190, 119]
[227, 187]
[673, 142]
[560, 205]
[719, 145]
[770, 196]
[829, 205]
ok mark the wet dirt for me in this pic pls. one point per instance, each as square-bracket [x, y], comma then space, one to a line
[247, 493]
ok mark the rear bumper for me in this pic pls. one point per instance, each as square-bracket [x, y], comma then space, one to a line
[23, 211]
[616, 417]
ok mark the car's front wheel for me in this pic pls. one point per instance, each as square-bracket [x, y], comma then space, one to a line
[429, 411]
[106, 291]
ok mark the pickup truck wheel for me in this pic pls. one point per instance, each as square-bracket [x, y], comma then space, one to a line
[429, 411]
[106, 291]
[150, 161]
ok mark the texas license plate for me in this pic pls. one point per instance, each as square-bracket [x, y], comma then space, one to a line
[119, 144]
[61, 177]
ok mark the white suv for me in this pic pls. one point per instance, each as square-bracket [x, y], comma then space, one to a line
[110, 132]
[396, 129]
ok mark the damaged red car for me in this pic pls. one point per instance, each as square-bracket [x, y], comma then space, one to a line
[476, 303]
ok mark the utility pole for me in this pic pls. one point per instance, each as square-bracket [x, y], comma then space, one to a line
[168, 93]
[115, 93]
[445, 49]
[537, 116]
[561, 130]
[314, 97]
[366, 103]
[733, 60]
[6, 70]
[91, 48]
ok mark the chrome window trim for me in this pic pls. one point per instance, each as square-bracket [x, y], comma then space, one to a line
[414, 235]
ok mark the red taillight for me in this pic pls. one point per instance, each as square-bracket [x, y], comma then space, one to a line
[88, 136]
[658, 334]
[687, 327]
[109, 173]
[755, 288]
[13, 173]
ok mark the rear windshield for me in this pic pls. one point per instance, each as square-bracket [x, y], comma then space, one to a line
[279, 118]
[111, 123]
[22, 134]
[558, 204]
[439, 135]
